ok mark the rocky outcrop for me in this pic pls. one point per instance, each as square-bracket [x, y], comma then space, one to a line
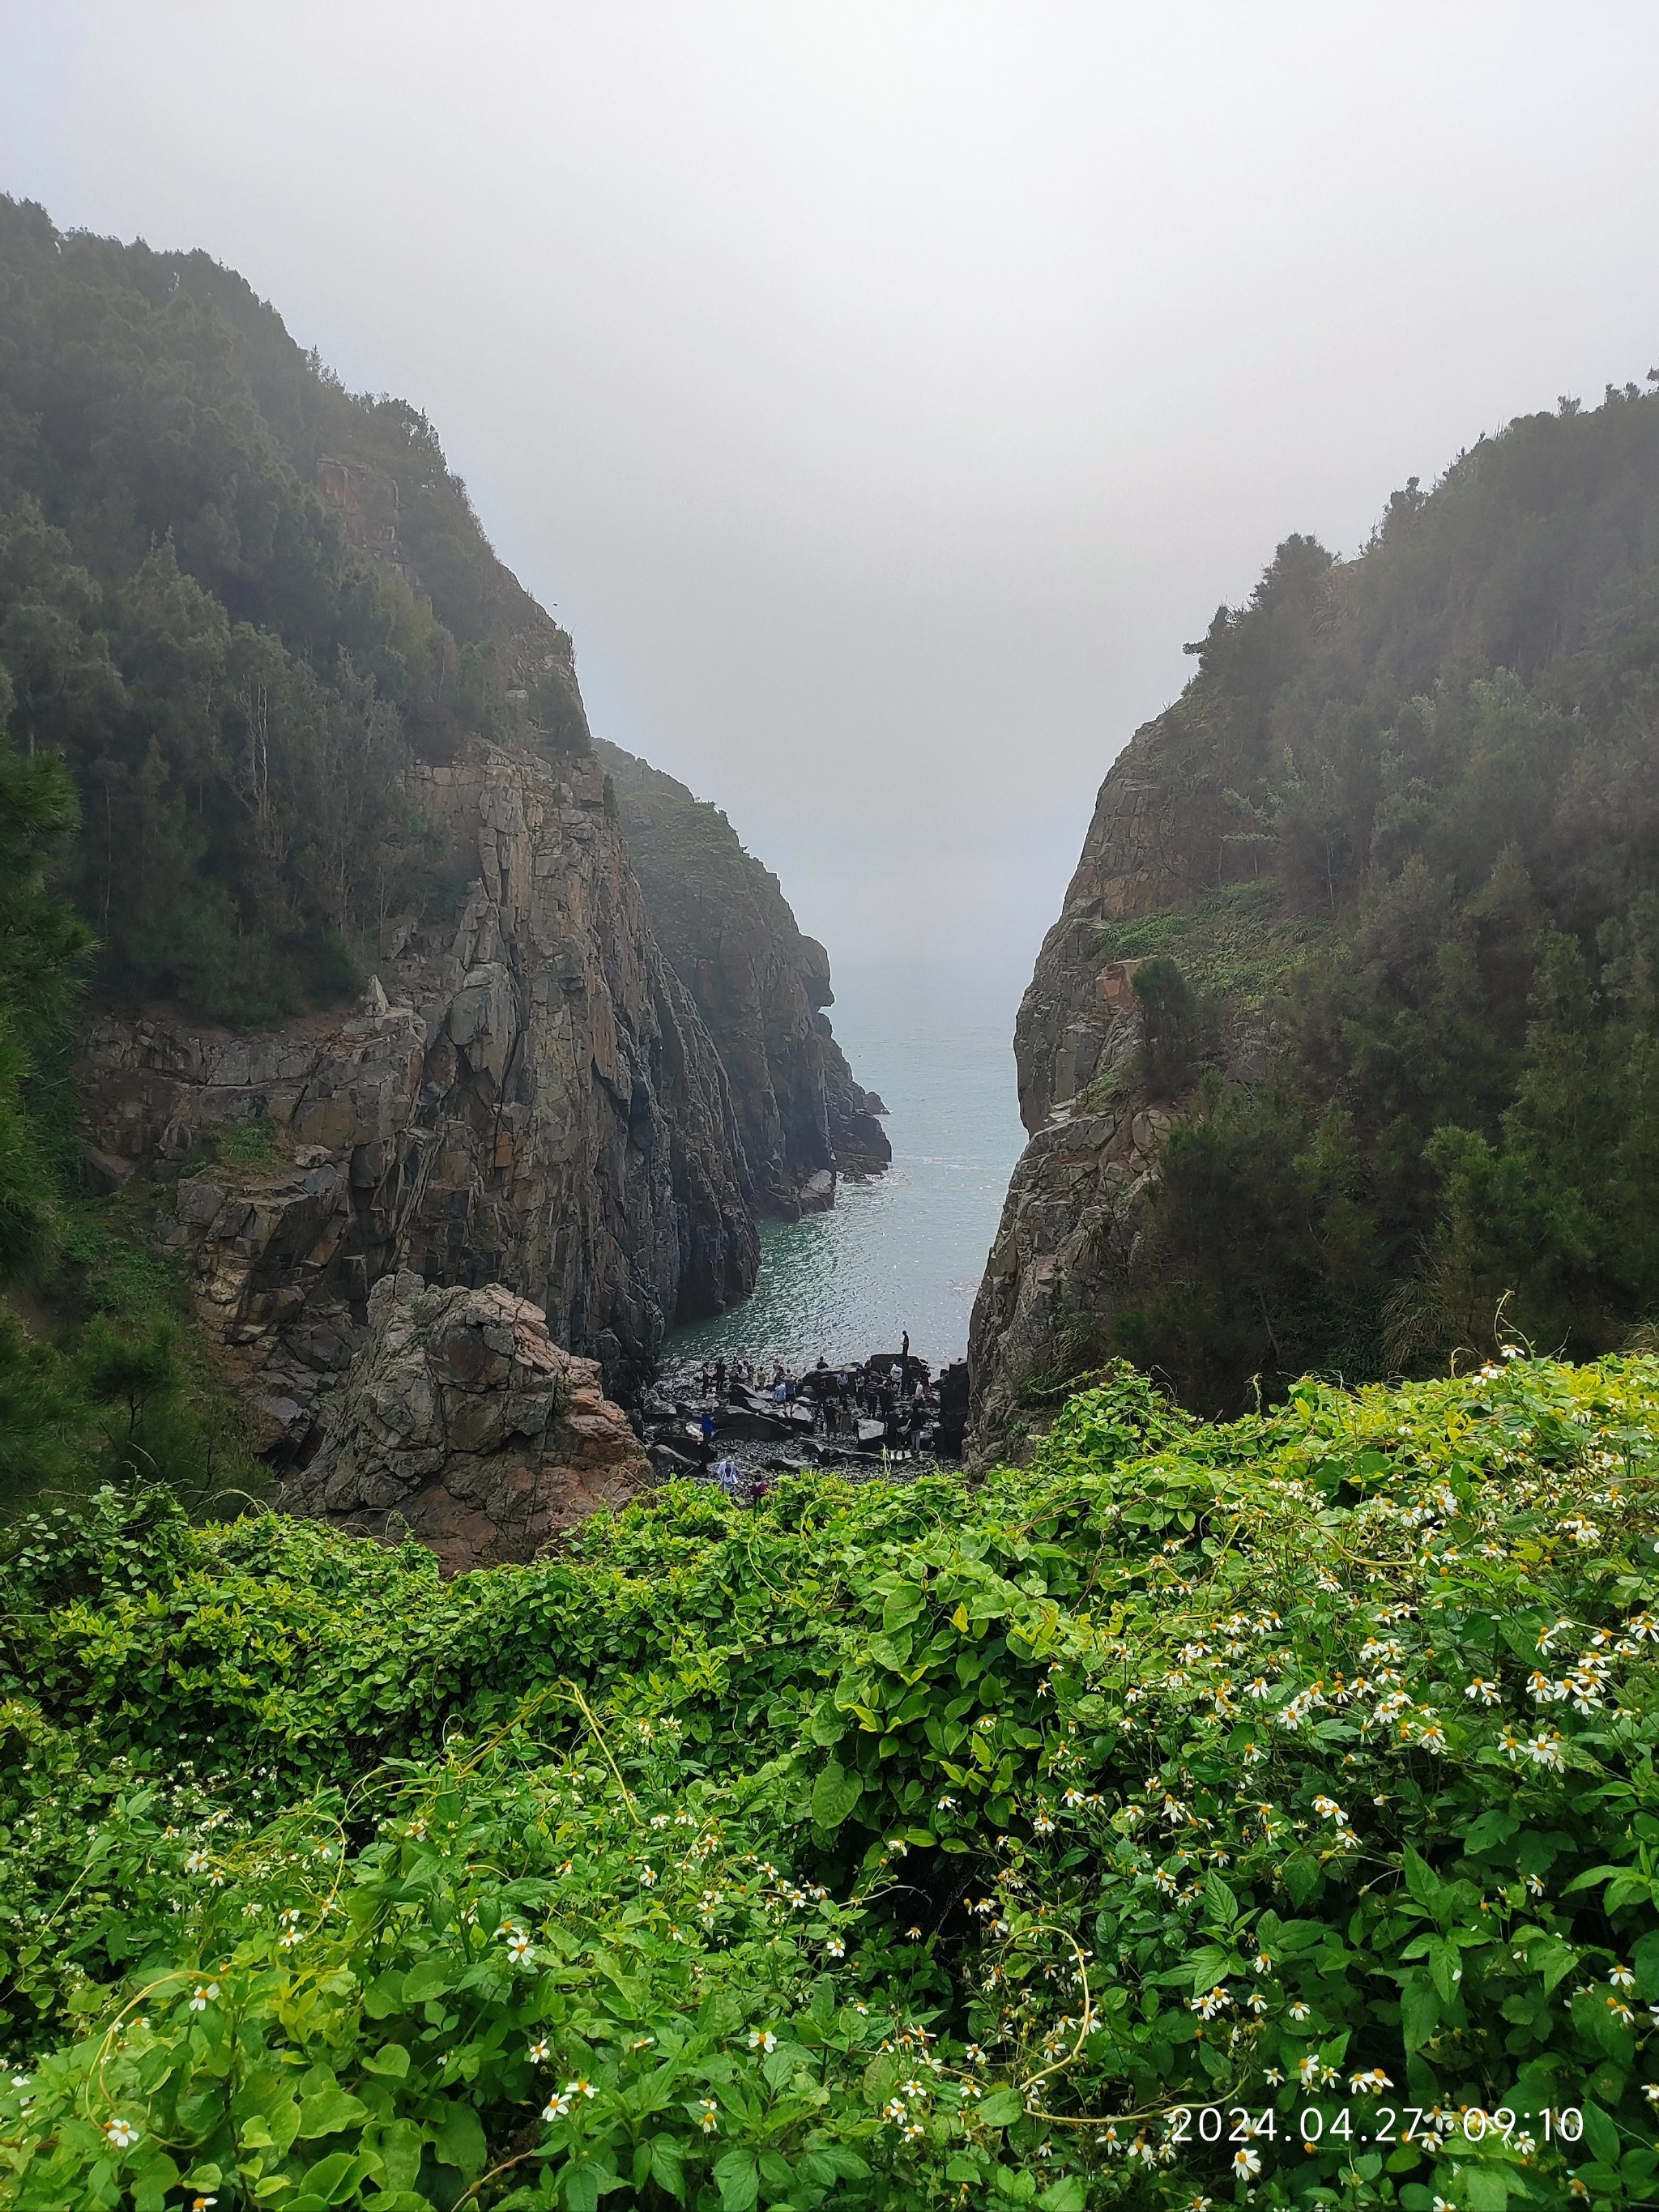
[1073, 1208]
[759, 986]
[1060, 1261]
[462, 1423]
[857, 1140]
[1155, 841]
[528, 1096]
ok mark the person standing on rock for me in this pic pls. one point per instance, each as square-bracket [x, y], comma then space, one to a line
[720, 1380]
[728, 1476]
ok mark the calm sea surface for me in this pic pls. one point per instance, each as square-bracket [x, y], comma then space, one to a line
[907, 1251]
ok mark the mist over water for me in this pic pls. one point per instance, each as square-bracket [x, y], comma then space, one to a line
[907, 1251]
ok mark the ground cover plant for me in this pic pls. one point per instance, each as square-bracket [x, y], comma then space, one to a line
[1260, 1812]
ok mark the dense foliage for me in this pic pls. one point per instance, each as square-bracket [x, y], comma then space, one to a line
[1440, 762]
[238, 670]
[878, 1846]
[105, 1393]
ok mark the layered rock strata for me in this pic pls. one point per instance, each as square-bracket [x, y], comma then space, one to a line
[529, 1098]
[759, 985]
[463, 1424]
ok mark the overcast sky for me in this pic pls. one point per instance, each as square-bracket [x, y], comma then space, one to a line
[881, 393]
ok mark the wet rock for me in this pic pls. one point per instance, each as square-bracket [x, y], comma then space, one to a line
[461, 1422]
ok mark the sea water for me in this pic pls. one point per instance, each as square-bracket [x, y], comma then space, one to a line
[907, 1249]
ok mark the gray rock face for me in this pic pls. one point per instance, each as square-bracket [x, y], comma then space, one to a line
[759, 985]
[461, 1421]
[1062, 1249]
[1072, 1215]
[526, 1096]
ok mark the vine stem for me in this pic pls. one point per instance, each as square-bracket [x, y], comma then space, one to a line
[471, 2195]
[587, 1713]
[1084, 2026]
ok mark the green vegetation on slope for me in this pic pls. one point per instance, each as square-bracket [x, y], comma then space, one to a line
[1439, 762]
[917, 1847]
[98, 1390]
[237, 672]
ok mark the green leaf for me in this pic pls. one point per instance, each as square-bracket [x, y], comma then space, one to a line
[582, 2187]
[1445, 1967]
[1553, 1959]
[1001, 2108]
[1302, 1876]
[737, 2179]
[281, 2115]
[1219, 1899]
[459, 2140]
[1067, 2195]
[384, 1996]
[391, 2059]
[400, 2148]
[1484, 2189]
[666, 2170]
[333, 2179]
[1202, 1970]
[1420, 2013]
[827, 1724]
[902, 1607]
[834, 1793]
[1492, 1829]
[427, 1978]
[1423, 1883]
[1599, 2133]
[325, 2112]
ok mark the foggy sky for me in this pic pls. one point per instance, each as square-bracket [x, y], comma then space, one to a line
[881, 393]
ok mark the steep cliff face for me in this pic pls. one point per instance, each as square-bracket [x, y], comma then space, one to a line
[1156, 879]
[1069, 1221]
[1153, 842]
[530, 1099]
[1369, 916]
[759, 986]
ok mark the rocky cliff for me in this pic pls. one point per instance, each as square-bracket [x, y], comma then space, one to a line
[528, 1097]
[328, 736]
[759, 986]
[463, 1423]
[1068, 1222]
[1156, 876]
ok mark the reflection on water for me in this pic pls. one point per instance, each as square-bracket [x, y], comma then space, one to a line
[906, 1251]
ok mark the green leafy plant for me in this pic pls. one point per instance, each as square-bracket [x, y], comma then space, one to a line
[1300, 1768]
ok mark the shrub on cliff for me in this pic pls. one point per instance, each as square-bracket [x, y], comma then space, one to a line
[233, 664]
[1288, 1782]
[1437, 759]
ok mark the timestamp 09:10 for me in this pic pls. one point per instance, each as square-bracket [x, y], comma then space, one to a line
[1374, 2123]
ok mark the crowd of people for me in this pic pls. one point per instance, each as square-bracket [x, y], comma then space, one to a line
[842, 1402]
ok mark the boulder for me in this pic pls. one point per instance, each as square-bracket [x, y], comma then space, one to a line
[463, 1423]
